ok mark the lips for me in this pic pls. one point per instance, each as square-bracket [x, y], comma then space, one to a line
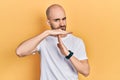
[62, 27]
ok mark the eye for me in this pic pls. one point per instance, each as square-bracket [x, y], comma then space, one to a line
[64, 18]
[56, 20]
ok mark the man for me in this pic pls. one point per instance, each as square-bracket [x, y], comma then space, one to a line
[62, 54]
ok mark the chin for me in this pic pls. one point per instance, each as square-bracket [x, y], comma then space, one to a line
[64, 29]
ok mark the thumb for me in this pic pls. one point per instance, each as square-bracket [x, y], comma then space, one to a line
[58, 45]
[69, 32]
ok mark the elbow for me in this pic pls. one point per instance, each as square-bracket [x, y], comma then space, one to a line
[18, 53]
[86, 74]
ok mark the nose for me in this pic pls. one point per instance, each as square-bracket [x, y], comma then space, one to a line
[62, 23]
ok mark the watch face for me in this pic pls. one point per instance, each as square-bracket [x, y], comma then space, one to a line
[70, 55]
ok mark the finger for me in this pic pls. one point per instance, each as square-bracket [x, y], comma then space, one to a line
[58, 45]
[65, 32]
[69, 32]
[59, 39]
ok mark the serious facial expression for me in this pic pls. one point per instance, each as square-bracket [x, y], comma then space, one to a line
[57, 19]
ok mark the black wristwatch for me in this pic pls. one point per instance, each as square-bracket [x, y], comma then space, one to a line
[70, 55]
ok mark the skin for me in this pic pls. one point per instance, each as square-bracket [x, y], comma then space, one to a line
[56, 19]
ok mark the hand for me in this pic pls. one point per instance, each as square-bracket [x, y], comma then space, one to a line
[62, 47]
[58, 32]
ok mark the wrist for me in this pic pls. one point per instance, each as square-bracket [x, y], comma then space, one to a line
[47, 32]
[69, 55]
[66, 53]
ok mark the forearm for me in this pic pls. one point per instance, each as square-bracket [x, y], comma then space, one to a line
[28, 46]
[81, 66]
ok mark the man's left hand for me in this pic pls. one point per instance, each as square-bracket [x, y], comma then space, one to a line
[62, 47]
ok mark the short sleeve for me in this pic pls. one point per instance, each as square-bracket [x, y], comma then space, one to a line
[80, 51]
[39, 46]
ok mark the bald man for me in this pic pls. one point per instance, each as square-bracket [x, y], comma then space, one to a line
[63, 55]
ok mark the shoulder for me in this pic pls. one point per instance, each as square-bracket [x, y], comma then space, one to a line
[75, 38]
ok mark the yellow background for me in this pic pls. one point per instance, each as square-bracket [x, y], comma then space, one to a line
[97, 22]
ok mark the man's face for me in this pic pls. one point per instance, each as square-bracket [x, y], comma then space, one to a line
[57, 19]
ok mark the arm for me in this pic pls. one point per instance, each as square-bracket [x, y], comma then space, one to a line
[29, 46]
[81, 66]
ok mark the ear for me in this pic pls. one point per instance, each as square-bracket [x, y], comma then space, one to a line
[48, 22]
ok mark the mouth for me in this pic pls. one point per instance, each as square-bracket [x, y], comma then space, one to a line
[63, 28]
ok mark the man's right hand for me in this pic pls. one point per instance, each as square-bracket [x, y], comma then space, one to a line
[29, 46]
[57, 32]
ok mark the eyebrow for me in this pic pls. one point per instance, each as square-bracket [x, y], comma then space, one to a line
[63, 18]
[59, 18]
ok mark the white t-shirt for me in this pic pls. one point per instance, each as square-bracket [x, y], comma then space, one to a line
[54, 65]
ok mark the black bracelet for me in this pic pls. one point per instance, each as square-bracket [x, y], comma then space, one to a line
[70, 55]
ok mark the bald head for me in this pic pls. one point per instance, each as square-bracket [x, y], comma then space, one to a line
[56, 17]
[51, 10]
